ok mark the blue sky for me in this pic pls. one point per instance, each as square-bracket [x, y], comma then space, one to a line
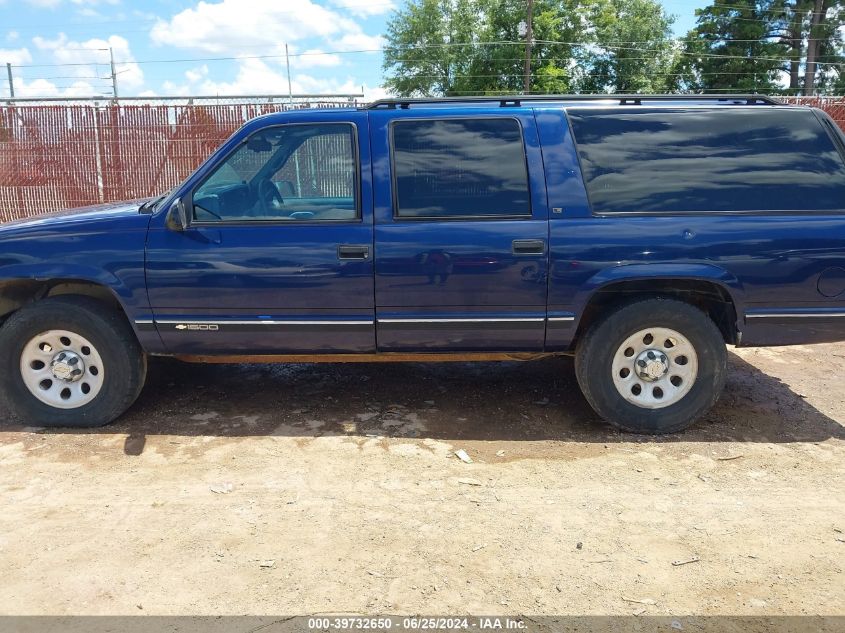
[60, 47]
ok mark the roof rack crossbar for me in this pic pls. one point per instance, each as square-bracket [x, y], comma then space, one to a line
[624, 99]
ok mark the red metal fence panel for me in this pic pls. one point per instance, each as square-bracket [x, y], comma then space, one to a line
[54, 157]
[834, 106]
[59, 156]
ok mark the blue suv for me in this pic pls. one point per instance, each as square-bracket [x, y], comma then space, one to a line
[641, 233]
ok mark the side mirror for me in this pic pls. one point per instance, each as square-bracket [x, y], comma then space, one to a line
[177, 216]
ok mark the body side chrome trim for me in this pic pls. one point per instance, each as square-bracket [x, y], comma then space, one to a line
[466, 320]
[258, 322]
[793, 315]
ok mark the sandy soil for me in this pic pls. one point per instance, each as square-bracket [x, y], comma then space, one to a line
[334, 488]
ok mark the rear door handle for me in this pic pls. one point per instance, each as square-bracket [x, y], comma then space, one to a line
[529, 247]
[353, 252]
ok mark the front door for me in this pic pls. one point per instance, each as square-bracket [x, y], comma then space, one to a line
[461, 231]
[278, 254]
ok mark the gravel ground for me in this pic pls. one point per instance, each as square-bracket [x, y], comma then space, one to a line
[302, 489]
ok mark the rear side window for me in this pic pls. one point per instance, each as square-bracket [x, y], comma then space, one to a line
[457, 168]
[700, 160]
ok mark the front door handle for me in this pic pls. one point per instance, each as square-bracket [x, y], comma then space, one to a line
[529, 247]
[353, 252]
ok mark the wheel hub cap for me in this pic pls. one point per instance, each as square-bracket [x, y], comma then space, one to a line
[67, 366]
[652, 365]
[62, 369]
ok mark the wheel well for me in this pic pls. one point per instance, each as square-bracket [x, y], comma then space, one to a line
[17, 293]
[708, 296]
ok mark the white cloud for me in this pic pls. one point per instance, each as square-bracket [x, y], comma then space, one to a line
[255, 77]
[172, 89]
[196, 74]
[40, 87]
[365, 8]
[44, 4]
[88, 12]
[377, 92]
[15, 56]
[228, 27]
[49, 4]
[93, 55]
[314, 57]
[359, 42]
[45, 88]
[12, 36]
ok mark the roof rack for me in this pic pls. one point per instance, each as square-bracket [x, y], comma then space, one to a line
[624, 99]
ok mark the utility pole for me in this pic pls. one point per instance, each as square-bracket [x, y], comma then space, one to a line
[11, 85]
[287, 61]
[817, 19]
[113, 73]
[529, 36]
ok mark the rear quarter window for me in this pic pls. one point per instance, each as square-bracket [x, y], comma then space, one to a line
[708, 160]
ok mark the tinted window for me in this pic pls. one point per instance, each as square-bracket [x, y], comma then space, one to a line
[290, 173]
[459, 168]
[708, 160]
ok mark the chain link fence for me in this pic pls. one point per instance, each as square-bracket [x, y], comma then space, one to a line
[56, 154]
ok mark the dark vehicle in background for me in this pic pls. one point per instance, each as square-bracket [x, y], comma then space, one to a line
[641, 233]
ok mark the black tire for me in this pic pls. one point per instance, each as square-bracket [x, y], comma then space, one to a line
[125, 364]
[596, 351]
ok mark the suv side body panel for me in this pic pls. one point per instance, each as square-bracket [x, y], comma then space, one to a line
[769, 264]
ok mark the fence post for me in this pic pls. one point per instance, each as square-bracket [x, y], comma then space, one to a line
[287, 61]
[98, 157]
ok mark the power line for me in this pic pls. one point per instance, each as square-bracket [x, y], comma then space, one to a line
[745, 8]
[424, 47]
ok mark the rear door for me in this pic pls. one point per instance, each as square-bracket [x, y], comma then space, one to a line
[461, 230]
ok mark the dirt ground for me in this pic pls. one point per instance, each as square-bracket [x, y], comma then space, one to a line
[306, 489]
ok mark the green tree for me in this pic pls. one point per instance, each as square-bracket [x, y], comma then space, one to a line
[776, 46]
[738, 46]
[442, 47]
[427, 45]
[634, 50]
[828, 32]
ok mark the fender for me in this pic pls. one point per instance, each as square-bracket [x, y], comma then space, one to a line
[73, 272]
[661, 271]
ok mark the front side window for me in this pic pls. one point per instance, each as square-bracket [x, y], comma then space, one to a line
[454, 168]
[286, 173]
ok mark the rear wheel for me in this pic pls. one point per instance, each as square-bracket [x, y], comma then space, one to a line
[652, 366]
[69, 361]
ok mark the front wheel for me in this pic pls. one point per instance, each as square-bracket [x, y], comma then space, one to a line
[652, 366]
[69, 361]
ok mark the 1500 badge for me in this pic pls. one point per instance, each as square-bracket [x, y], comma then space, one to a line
[202, 327]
